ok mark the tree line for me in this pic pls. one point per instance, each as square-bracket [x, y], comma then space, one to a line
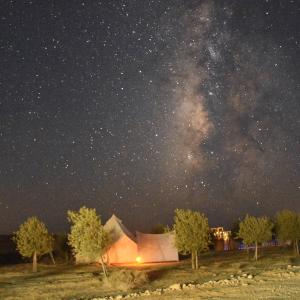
[88, 237]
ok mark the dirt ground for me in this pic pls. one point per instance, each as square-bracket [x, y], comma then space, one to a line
[276, 284]
[221, 276]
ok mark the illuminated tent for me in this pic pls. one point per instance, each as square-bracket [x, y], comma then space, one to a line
[123, 247]
[156, 247]
[126, 248]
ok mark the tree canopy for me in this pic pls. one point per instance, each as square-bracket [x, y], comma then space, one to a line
[159, 228]
[287, 225]
[33, 239]
[88, 237]
[191, 233]
[255, 230]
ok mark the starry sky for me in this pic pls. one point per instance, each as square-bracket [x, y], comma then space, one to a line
[138, 107]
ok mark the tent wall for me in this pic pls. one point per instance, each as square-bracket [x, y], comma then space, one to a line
[156, 247]
[122, 251]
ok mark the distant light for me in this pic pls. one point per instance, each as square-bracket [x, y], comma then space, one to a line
[189, 156]
[138, 259]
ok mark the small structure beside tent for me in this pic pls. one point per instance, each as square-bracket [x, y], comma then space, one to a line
[156, 247]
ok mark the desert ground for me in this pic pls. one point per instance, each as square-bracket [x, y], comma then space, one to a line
[222, 275]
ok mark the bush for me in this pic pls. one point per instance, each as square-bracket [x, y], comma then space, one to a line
[125, 280]
[295, 261]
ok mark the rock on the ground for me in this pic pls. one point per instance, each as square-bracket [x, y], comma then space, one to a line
[146, 293]
[157, 292]
[175, 287]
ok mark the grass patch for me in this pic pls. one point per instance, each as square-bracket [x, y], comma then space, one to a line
[126, 280]
[67, 282]
[295, 261]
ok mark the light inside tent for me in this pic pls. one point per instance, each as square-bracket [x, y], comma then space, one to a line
[138, 259]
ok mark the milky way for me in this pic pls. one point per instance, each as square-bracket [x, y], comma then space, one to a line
[146, 106]
[233, 119]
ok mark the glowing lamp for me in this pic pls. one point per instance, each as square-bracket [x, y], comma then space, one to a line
[138, 259]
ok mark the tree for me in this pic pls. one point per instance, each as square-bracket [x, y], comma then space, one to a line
[33, 240]
[88, 237]
[235, 227]
[255, 230]
[62, 248]
[287, 227]
[158, 229]
[191, 233]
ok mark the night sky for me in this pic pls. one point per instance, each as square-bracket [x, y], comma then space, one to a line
[139, 107]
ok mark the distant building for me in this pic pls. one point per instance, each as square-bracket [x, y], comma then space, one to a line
[222, 238]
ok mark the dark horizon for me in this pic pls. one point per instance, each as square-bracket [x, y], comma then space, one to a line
[141, 107]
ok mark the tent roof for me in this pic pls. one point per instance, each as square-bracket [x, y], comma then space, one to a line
[158, 237]
[116, 229]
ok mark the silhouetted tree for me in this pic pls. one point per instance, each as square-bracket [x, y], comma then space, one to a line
[287, 224]
[235, 227]
[158, 228]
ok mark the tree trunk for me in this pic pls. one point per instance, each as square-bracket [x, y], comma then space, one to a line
[256, 250]
[52, 257]
[296, 247]
[34, 262]
[193, 260]
[103, 266]
[196, 258]
[66, 257]
[248, 252]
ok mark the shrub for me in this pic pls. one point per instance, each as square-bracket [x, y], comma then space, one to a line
[125, 280]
